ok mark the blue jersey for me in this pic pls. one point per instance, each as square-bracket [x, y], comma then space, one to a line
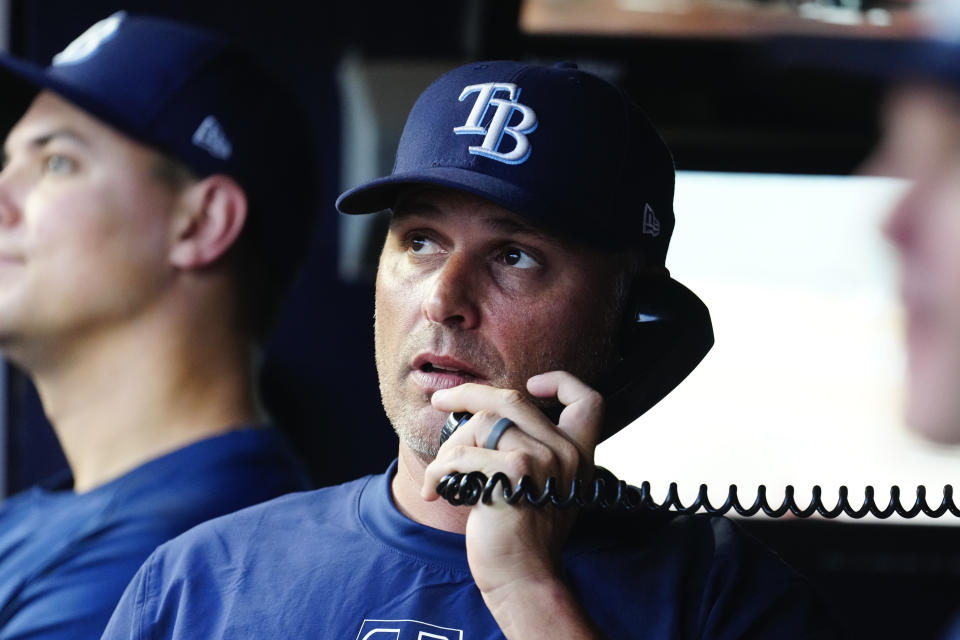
[344, 563]
[65, 558]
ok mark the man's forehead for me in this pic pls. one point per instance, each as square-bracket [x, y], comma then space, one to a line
[439, 203]
[46, 116]
[49, 112]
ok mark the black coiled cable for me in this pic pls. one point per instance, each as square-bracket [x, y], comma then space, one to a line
[607, 492]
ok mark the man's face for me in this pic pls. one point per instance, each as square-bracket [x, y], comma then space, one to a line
[922, 143]
[469, 292]
[84, 227]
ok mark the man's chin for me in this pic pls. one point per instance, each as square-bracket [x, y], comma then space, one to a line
[421, 433]
[940, 427]
[424, 448]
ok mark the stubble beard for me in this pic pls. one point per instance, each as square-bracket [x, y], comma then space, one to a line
[414, 420]
[418, 425]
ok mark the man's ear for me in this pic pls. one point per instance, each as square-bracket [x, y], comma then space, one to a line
[209, 220]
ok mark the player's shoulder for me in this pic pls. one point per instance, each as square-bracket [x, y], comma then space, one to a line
[270, 524]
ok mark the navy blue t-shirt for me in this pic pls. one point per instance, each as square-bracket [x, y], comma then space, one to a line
[65, 558]
[343, 562]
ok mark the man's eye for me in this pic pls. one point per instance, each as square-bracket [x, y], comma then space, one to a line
[518, 258]
[422, 245]
[57, 163]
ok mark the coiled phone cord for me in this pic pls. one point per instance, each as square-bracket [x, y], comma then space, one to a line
[607, 492]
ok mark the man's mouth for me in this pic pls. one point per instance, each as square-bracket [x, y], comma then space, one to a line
[429, 367]
[440, 372]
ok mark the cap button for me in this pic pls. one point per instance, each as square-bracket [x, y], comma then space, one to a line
[566, 65]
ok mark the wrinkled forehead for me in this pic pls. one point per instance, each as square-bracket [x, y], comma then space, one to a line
[450, 204]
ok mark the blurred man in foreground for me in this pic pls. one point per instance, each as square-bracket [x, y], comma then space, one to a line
[922, 143]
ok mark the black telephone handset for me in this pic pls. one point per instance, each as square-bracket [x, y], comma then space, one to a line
[667, 332]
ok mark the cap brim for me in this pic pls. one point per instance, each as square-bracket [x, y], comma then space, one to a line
[36, 78]
[560, 218]
[33, 76]
[381, 193]
[19, 86]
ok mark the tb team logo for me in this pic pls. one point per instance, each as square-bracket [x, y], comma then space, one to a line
[90, 40]
[406, 630]
[503, 97]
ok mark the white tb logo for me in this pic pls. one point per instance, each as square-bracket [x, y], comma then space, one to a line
[90, 40]
[499, 124]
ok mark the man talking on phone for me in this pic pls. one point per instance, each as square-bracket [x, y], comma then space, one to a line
[527, 201]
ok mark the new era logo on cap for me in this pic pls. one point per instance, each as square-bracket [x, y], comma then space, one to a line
[87, 43]
[651, 223]
[499, 125]
[210, 136]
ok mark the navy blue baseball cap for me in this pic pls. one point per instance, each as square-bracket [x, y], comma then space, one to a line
[197, 97]
[559, 146]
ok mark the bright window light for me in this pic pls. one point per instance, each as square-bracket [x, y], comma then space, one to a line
[804, 385]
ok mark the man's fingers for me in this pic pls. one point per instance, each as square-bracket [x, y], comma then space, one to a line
[531, 444]
[465, 459]
[488, 404]
[582, 416]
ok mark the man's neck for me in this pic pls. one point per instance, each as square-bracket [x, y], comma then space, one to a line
[405, 487]
[131, 396]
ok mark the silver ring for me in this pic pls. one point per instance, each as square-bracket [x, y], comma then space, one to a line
[499, 427]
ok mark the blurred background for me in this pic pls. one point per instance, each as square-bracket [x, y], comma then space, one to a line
[774, 231]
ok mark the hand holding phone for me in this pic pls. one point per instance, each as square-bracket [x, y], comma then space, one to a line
[506, 544]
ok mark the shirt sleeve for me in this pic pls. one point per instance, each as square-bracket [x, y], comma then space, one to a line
[175, 595]
[74, 599]
[126, 621]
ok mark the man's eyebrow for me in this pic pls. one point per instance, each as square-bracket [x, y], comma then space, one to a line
[40, 141]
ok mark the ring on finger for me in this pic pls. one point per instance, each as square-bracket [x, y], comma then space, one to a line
[496, 432]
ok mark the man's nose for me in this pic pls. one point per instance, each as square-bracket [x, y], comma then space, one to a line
[9, 209]
[900, 225]
[452, 296]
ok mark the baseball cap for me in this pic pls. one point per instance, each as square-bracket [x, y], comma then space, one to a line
[556, 145]
[192, 94]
